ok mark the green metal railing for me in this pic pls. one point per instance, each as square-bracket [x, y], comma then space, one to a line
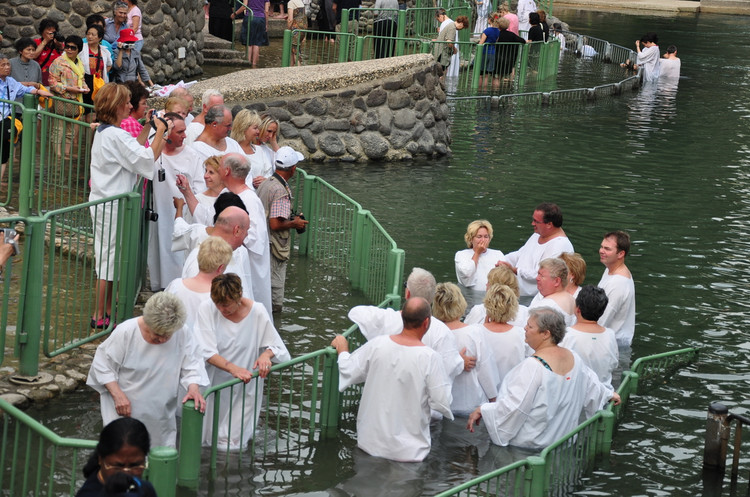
[562, 464]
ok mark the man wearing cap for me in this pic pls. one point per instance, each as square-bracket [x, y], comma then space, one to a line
[276, 197]
[128, 64]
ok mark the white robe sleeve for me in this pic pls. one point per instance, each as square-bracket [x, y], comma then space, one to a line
[353, 367]
[465, 267]
[205, 331]
[373, 321]
[476, 315]
[439, 390]
[181, 235]
[487, 372]
[597, 393]
[440, 339]
[105, 367]
[193, 368]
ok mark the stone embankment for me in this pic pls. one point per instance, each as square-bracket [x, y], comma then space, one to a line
[387, 109]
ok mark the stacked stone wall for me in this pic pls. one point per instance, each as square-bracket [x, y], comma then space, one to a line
[168, 25]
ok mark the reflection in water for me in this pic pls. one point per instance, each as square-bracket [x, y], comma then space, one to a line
[651, 110]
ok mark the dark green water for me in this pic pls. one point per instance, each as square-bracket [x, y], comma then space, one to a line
[669, 167]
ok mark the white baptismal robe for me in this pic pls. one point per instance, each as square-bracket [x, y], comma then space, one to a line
[478, 314]
[258, 248]
[540, 301]
[164, 265]
[508, 348]
[373, 321]
[241, 344]
[598, 350]
[402, 384]
[473, 275]
[620, 312]
[239, 265]
[526, 259]
[536, 406]
[473, 388]
[149, 375]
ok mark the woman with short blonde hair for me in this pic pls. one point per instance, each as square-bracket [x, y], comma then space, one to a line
[473, 263]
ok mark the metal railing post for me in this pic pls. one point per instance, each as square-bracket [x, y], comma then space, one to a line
[131, 217]
[162, 463]
[309, 199]
[607, 423]
[191, 433]
[29, 328]
[286, 50]
[523, 66]
[717, 437]
[395, 273]
[536, 483]
[359, 48]
[478, 66]
[330, 410]
[401, 33]
[345, 21]
[28, 140]
[355, 260]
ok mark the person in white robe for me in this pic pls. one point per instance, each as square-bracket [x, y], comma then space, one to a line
[195, 127]
[403, 380]
[483, 12]
[502, 275]
[525, 7]
[164, 265]
[617, 282]
[648, 58]
[548, 240]
[237, 336]
[543, 397]
[669, 65]
[137, 370]
[474, 263]
[595, 344]
[478, 382]
[551, 280]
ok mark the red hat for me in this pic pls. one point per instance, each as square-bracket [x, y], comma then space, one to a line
[127, 36]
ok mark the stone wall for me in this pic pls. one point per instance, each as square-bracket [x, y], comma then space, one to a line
[168, 26]
[389, 109]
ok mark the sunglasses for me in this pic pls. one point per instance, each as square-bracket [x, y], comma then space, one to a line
[71, 47]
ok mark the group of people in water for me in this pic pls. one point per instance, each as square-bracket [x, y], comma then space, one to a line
[649, 59]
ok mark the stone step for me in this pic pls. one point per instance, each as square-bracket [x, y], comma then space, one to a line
[224, 56]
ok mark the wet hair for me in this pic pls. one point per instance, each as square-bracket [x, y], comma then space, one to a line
[421, 283]
[48, 23]
[108, 100]
[215, 114]
[548, 319]
[552, 213]
[449, 304]
[137, 92]
[650, 37]
[99, 30]
[504, 275]
[501, 303]
[93, 19]
[238, 165]
[534, 19]
[473, 228]
[213, 252]
[173, 116]
[226, 288]
[592, 301]
[672, 49]
[120, 432]
[24, 43]
[557, 26]
[414, 312]
[164, 313]
[75, 40]
[556, 268]
[243, 120]
[576, 266]
[622, 239]
[227, 199]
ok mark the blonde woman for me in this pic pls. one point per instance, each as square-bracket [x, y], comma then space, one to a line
[473, 263]
[576, 271]
[501, 275]
[246, 130]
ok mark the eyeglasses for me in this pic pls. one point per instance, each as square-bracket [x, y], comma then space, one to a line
[71, 47]
[127, 468]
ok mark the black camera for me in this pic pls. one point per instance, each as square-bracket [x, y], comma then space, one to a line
[151, 215]
[162, 175]
[152, 122]
[127, 46]
[293, 217]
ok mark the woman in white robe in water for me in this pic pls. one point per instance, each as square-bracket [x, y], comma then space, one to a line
[542, 398]
[474, 263]
[648, 56]
[236, 336]
[138, 368]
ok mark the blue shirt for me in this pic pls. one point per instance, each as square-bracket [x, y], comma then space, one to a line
[9, 90]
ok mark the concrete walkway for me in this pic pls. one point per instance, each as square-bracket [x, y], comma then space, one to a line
[660, 7]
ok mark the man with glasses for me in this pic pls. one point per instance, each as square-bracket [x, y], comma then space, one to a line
[548, 240]
[214, 139]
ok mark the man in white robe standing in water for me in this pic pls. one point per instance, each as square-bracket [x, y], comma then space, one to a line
[403, 380]
[549, 240]
[617, 282]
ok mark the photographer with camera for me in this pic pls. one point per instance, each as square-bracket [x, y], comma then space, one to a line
[276, 197]
[128, 64]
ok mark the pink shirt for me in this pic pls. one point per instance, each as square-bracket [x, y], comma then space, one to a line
[513, 28]
[132, 126]
[135, 11]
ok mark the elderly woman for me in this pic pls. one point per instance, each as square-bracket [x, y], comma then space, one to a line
[576, 271]
[123, 447]
[596, 344]
[237, 336]
[478, 384]
[246, 130]
[473, 263]
[543, 397]
[119, 21]
[138, 369]
[116, 161]
[96, 60]
[66, 78]
[551, 280]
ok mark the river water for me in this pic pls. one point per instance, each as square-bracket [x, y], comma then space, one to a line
[670, 167]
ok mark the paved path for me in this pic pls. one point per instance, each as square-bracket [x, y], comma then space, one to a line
[657, 7]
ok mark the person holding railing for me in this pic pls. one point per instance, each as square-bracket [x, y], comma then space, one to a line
[236, 336]
[116, 161]
[139, 368]
[543, 397]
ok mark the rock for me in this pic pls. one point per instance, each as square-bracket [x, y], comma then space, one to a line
[426, 143]
[55, 389]
[337, 125]
[38, 394]
[373, 145]
[398, 100]
[404, 119]
[340, 108]
[278, 113]
[75, 375]
[359, 103]
[65, 384]
[15, 399]
[376, 97]
[301, 121]
[399, 138]
[287, 130]
[331, 144]
[316, 106]
[385, 118]
[353, 146]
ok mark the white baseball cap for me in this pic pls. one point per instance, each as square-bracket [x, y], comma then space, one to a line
[287, 158]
